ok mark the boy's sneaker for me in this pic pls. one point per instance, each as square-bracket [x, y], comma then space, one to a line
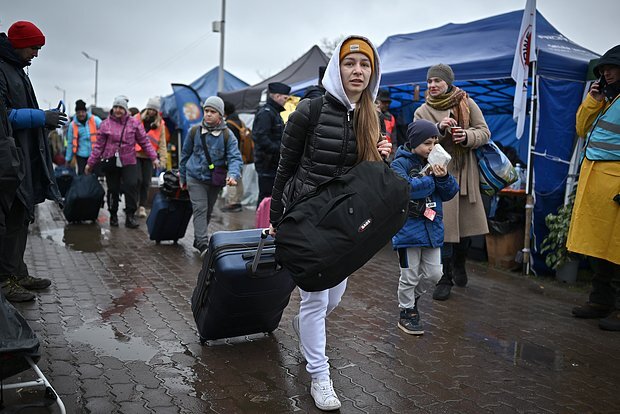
[409, 322]
[31, 282]
[296, 329]
[14, 292]
[141, 212]
[324, 396]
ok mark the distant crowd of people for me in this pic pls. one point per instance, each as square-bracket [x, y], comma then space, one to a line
[292, 159]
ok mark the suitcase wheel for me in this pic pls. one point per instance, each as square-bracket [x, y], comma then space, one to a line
[202, 341]
[176, 241]
[157, 241]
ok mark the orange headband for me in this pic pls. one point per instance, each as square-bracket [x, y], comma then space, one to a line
[357, 45]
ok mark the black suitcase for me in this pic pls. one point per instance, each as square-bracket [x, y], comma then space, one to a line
[168, 218]
[230, 298]
[84, 199]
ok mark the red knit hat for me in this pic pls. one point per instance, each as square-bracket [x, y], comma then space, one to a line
[25, 34]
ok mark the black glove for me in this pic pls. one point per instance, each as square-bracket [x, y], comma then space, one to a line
[55, 119]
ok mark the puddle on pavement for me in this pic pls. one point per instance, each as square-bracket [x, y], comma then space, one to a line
[88, 237]
[522, 353]
[108, 341]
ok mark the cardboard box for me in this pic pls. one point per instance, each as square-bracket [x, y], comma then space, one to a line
[503, 248]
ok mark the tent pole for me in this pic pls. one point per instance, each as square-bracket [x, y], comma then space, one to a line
[529, 185]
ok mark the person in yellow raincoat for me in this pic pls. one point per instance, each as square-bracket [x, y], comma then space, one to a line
[595, 224]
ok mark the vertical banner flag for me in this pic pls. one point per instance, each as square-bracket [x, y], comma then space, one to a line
[189, 108]
[525, 53]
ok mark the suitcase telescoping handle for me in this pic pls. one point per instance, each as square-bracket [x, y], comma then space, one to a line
[263, 236]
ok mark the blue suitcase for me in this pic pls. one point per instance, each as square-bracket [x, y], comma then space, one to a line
[240, 289]
[168, 219]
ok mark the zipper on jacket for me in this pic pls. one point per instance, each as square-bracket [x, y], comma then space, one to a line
[345, 142]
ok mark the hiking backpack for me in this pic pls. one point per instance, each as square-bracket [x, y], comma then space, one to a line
[246, 144]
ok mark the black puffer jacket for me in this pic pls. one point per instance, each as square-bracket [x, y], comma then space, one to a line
[313, 157]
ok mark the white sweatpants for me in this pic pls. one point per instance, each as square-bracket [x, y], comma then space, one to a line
[420, 269]
[313, 310]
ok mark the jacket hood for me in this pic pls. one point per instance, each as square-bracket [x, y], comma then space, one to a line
[7, 52]
[332, 82]
[404, 152]
[611, 57]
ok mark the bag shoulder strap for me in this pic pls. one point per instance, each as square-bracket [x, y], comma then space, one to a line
[192, 131]
[206, 149]
[315, 111]
[236, 125]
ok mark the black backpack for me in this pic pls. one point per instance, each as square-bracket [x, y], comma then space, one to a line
[334, 230]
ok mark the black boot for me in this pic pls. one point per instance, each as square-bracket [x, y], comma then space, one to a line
[131, 222]
[459, 258]
[113, 219]
[444, 286]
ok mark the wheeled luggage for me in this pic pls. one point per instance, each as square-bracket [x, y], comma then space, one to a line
[64, 177]
[168, 218]
[84, 199]
[262, 214]
[231, 299]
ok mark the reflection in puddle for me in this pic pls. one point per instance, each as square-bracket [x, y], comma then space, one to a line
[106, 340]
[522, 353]
[80, 237]
[84, 237]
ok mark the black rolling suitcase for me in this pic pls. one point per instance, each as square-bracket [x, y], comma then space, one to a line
[168, 218]
[84, 199]
[231, 299]
[64, 177]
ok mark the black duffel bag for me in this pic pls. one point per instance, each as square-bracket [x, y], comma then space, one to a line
[331, 232]
[84, 199]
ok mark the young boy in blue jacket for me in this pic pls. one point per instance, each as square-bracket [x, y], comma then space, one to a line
[419, 242]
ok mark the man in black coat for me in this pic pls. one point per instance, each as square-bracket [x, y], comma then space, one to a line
[17, 49]
[267, 135]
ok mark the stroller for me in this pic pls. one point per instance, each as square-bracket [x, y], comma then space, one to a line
[19, 351]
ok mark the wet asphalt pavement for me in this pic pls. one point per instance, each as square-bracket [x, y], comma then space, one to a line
[117, 336]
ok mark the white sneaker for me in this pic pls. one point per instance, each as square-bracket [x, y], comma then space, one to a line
[324, 395]
[141, 212]
[296, 329]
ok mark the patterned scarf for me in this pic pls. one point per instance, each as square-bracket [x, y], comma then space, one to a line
[454, 100]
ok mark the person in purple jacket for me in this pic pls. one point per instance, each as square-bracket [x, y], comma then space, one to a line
[115, 147]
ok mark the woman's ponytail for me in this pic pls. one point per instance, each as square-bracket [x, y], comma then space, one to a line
[366, 127]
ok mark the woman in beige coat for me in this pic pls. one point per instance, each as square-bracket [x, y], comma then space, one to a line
[463, 129]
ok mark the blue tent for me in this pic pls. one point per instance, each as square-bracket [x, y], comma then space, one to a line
[206, 86]
[481, 55]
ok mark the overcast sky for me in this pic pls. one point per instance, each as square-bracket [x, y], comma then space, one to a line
[143, 46]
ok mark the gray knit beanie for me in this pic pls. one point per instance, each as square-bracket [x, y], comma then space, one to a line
[153, 103]
[441, 71]
[121, 101]
[216, 103]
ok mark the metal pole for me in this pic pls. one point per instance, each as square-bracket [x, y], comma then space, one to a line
[87, 56]
[220, 74]
[529, 201]
[96, 78]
